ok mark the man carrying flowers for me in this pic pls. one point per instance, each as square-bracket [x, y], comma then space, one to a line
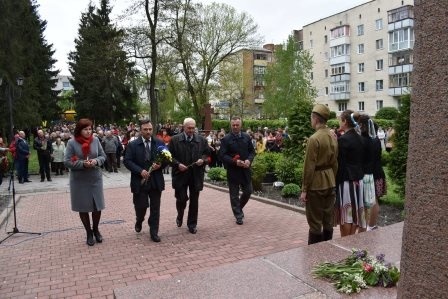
[190, 153]
[146, 178]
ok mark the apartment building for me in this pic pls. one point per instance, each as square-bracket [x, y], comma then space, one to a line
[246, 88]
[363, 56]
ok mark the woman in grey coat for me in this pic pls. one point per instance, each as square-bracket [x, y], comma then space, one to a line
[83, 156]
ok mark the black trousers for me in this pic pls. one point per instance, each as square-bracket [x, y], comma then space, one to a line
[236, 201]
[44, 165]
[144, 199]
[182, 197]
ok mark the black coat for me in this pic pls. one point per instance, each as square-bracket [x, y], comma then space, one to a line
[231, 146]
[184, 152]
[134, 160]
[350, 157]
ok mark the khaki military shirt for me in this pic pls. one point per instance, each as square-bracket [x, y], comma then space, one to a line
[321, 161]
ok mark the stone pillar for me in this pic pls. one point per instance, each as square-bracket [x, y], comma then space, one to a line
[424, 258]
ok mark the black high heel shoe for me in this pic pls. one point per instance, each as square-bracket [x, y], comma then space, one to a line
[90, 240]
[98, 236]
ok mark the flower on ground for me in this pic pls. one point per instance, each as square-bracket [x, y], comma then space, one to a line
[358, 271]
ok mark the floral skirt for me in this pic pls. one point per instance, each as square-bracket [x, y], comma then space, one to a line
[380, 187]
[349, 206]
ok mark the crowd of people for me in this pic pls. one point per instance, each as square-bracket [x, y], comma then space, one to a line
[342, 178]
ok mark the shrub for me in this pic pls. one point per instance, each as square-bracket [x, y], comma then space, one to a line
[287, 170]
[258, 172]
[269, 159]
[291, 190]
[390, 113]
[217, 174]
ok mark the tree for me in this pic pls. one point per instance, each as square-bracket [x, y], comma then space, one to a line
[203, 37]
[288, 80]
[400, 139]
[25, 53]
[102, 75]
[390, 113]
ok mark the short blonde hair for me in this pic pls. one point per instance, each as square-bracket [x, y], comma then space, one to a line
[189, 120]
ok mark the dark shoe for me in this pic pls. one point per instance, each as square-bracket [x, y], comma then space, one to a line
[138, 226]
[239, 221]
[327, 235]
[49, 180]
[27, 181]
[155, 238]
[116, 171]
[21, 182]
[178, 222]
[314, 238]
[90, 240]
[41, 180]
[98, 236]
[192, 230]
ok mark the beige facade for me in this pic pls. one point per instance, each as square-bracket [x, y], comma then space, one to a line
[363, 56]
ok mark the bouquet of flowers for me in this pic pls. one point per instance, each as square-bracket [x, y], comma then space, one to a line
[358, 271]
[163, 155]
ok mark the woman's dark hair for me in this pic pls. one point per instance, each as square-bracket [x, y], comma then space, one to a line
[81, 124]
[363, 122]
[347, 116]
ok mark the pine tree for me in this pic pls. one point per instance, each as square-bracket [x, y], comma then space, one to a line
[25, 53]
[102, 74]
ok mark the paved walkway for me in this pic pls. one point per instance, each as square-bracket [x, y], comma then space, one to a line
[58, 263]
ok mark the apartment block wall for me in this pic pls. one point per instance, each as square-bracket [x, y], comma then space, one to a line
[314, 41]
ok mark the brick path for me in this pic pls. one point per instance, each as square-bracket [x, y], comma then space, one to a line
[58, 264]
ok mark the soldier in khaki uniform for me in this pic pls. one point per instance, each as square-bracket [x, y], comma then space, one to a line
[318, 184]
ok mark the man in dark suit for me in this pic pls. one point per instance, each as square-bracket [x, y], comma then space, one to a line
[237, 154]
[190, 154]
[140, 156]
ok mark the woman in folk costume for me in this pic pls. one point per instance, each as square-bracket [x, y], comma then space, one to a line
[83, 156]
[349, 212]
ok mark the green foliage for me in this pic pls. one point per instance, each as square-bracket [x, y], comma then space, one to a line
[270, 159]
[291, 190]
[288, 170]
[184, 110]
[332, 114]
[333, 123]
[288, 80]
[259, 169]
[384, 123]
[399, 154]
[102, 74]
[390, 113]
[299, 128]
[217, 174]
[393, 196]
[253, 124]
[25, 53]
[385, 158]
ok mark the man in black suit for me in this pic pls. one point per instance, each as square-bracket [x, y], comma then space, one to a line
[190, 154]
[237, 154]
[140, 156]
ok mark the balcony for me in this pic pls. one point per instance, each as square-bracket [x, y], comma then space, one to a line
[339, 41]
[399, 91]
[340, 59]
[340, 96]
[399, 69]
[400, 24]
[339, 78]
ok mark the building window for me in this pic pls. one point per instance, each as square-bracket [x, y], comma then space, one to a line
[260, 56]
[360, 48]
[325, 38]
[326, 73]
[361, 67]
[379, 85]
[361, 86]
[340, 50]
[259, 70]
[340, 87]
[66, 85]
[379, 104]
[326, 90]
[401, 39]
[340, 31]
[401, 13]
[338, 69]
[379, 64]
[311, 43]
[360, 106]
[342, 106]
[379, 24]
[400, 80]
[360, 29]
[379, 44]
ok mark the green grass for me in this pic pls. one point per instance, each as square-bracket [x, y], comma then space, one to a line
[392, 197]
